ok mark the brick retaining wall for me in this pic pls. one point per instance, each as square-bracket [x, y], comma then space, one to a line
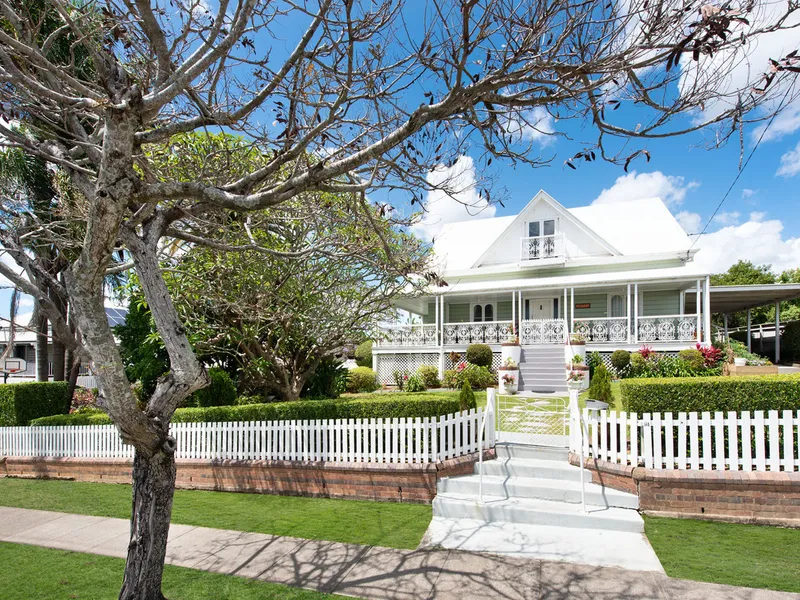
[768, 498]
[366, 481]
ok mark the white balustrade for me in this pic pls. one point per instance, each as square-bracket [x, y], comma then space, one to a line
[404, 440]
[668, 328]
[407, 335]
[487, 332]
[602, 330]
[545, 246]
[542, 331]
[743, 441]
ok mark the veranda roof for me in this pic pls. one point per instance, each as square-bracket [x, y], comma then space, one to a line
[734, 298]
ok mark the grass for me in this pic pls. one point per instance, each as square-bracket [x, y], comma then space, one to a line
[32, 573]
[354, 521]
[744, 555]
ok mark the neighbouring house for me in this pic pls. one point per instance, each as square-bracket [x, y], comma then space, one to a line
[25, 349]
[621, 274]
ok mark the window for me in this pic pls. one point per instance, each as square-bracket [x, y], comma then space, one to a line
[20, 351]
[549, 227]
[483, 312]
[533, 229]
[540, 228]
[617, 306]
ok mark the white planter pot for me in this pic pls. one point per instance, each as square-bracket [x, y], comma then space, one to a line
[512, 352]
[509, 388]
[570, 351]
[575, 385]
[740, 362]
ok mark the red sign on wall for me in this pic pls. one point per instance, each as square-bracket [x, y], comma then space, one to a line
[584, 305]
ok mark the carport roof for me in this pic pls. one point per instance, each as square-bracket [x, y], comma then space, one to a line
[734, 298]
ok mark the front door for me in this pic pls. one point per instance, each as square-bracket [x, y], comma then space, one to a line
[538, 308]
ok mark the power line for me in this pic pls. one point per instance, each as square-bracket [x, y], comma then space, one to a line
[744, 166]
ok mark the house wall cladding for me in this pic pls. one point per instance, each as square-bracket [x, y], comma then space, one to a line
[410, 362]
[414, 483]
[768, 498]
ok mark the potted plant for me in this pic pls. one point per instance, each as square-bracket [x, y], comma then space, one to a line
[575, 347]
[578, 366]
[508, 376]
[511, 349]
[576, 380]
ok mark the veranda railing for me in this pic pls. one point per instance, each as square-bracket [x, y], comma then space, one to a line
[403, 440]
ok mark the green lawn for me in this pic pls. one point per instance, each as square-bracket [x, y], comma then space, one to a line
[355, 521]
[31, 573]
[746, 555]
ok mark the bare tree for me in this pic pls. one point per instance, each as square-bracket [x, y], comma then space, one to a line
[338, 96]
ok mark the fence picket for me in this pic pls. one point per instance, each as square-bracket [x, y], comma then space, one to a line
[669, 450]
[682, 440]
[733, 441]
[774, 441]
[788, 441]
[707, 439]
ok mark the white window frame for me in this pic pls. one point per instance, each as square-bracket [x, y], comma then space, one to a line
[526, 232]
[483, 306]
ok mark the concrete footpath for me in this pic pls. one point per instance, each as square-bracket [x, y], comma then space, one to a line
[365, 571]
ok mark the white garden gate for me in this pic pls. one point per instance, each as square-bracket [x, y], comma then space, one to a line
[529, 420]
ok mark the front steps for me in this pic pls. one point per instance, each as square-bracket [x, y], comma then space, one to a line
[542, 370]
[532, 507]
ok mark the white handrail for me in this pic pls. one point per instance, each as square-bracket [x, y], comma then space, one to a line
[490, 393]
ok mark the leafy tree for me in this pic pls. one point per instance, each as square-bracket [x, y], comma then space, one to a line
[744, 272]
[600, 385]
[360, 103]
[143, 355]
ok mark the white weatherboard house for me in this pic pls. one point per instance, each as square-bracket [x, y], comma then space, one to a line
[617, 273]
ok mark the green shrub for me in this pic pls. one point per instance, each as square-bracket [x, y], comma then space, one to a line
[479, 354]
[362, 379]
[467, 397]
[637, 363]
[600, 385]
[593, 360]
[621, 361]
[450, 379]
[328, 380]
[699, 394]
[368, 406]
[22, 402]
[693, 358]
[479, 378]
[430, 376]
[364, 354]
[790, 341]
[415, 384]
[220, 392]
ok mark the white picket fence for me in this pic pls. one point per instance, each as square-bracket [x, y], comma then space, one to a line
[403, 440]
[718, 441]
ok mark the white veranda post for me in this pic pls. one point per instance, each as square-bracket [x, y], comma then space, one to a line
[697, 311]
[707, 312]
[749, 332]
[628, 311]
[777, 332]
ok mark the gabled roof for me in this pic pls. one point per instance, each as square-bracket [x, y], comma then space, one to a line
[636, 227]
[539, 198]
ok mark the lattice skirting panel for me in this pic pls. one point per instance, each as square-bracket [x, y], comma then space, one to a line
[389, 363]
[449, 363]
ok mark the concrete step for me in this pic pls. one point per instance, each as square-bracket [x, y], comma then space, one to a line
[531, 511]
[531, 452]
[545, 380]
[545, 389]
[554, 371]
[543, 489]
[533, 467]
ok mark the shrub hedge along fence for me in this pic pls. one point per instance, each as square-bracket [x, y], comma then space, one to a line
[699, 394]
[22, 402]
[385, 406]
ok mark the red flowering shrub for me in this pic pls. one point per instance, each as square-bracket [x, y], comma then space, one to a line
[646, 351]
[711, 356]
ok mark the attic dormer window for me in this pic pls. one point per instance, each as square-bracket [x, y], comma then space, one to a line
[540, 228]
[541, 241]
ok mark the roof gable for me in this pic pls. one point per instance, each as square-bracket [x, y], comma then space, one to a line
[505, 248]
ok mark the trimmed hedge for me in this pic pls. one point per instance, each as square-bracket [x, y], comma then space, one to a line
[479, 354]
[362, 379]
[699, 394]
[370, 406]
[22, 402]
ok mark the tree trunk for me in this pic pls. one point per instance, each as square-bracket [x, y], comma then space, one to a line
[153, 487]
[74, 368]
[42, 358]
[59, 361]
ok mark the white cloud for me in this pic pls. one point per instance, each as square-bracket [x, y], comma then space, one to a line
[733, 72]
[790, 163]
[758, 241]
[535, 125]
[26, 302]
[727, 218]
[461, 204]
[671, 189]
[786, 123]
[757, 215]
[690, 221]
[747, 193]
